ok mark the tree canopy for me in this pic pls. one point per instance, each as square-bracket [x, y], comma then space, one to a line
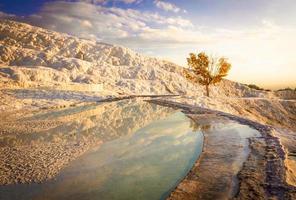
[206, 70]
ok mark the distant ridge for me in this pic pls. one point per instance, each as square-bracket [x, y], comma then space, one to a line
[35, 56]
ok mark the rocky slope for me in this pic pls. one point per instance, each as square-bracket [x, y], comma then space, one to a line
[32, 56]
[42, 71]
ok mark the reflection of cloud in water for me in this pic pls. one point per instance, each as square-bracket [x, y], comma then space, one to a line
[142, 165]
[101, 122]
[133, 161]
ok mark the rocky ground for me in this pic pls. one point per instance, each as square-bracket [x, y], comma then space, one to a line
[264, 174]
[268, 171]
[42, 71]
[36, 146]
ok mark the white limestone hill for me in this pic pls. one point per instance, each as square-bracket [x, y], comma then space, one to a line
[35, 57]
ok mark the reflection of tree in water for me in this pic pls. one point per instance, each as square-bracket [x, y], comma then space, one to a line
[198, 126]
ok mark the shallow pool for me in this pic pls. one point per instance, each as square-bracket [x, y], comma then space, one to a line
[146, 151]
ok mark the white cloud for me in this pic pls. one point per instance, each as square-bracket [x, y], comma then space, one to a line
[86, 23]
[5, 15]
[134, 28]
[107, 1]
[249, 49]
[112, 24]
[167, 6]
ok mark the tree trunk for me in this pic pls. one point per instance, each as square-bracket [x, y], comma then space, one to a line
[208, 91]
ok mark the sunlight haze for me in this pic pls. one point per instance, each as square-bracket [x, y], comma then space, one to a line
[257, 36]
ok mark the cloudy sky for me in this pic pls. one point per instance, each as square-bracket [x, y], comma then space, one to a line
[258, 36]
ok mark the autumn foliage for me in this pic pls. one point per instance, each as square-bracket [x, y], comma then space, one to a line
[206, 70]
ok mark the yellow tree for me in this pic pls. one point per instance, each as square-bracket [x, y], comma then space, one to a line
[206, 70]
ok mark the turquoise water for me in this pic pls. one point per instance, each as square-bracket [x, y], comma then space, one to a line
[145, 159]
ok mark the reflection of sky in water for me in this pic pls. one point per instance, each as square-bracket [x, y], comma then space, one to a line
[147, 150]
[102, 122]
[146, 164]
[143, 166]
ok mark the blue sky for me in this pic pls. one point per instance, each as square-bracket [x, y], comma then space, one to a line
[21, 7]
[258, 36]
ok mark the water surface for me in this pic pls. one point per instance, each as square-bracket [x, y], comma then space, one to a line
[146, 151]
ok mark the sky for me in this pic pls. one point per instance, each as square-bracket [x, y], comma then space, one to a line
[257, 36]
